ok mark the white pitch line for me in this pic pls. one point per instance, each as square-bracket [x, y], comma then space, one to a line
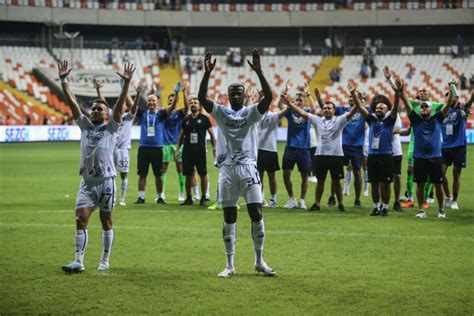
[272, 231]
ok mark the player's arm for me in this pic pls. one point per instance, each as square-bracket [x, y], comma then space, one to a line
[282, 112]
[352, 87]
[185, 99]
[178, 145]
[449, 100]
[209, 65]
[293, 107]
[127, 75]
[97, 85]
[140, 89]
[71, 101]
[318, 98]
[172, 106]
[396, 102]
[265, 102]
[312, 104]
[288, 86]
[405, 100]
[213, 140]
[405, 132]
[467, 106]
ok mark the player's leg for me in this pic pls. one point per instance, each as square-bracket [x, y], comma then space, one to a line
[188, 171]
[347, 180]
[420, 176]
[320, 171]
[106, 202]
[336, 169]
[397, 182]
[304, 163]
[410, 174]
[143, 162]
[272, 183]
[366, 177]
[435, 175]
[386, 178]
[448, 198]
[157, 166]
[201, 167]
[372, 173]
[288, 165]
[356, 170]
[167, 158]
[181, 177]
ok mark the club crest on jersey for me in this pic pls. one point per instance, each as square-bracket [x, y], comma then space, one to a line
[95, 136]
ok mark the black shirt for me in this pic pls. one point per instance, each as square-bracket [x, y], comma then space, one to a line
[194, 130]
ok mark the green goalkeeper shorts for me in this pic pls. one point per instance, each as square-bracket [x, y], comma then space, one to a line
[169, 152]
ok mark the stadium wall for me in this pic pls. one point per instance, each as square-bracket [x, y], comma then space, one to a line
[238, 19]
[24, 133]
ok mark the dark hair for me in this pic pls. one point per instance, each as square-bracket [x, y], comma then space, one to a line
[101, 101]
[236, 85]
[379, 98]
[332, 103]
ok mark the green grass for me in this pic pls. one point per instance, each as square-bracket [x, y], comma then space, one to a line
[166, 258]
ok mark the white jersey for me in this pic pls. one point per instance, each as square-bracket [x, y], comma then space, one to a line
[124, 133]
[268, 131]
[221, 148]
[396, 143]
[240, 131]
[97, 148]
[329, 134]
[313, 139]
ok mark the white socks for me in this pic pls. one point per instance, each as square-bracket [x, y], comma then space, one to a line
[141, 194]
[208, 191]
[377, 205]
[124, 188]
[258, 237]
[347, 180]
[81, 244]
[273, 197]
[228, 232]
[196, 191]
[107, 241]
[385, 206]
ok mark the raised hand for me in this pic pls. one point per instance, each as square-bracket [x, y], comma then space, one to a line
[255, 64]
[64, 69]
[128, 70]
[399, 84]
[208, 63]
[351, 86]
[141, 86]
[97, 84]
[306, 88]
[317, 93]
[288, 85]
[387, 73]
[285, 99]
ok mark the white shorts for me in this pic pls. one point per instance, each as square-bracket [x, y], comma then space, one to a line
[239, 180]
[122, 159]
[97, 193]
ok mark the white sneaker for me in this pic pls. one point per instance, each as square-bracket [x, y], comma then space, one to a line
[264, 203]
[73, 267]
[346, 191]
[181, 197]
[272, 204]
[448, 202]
[430, 200]
[291, 203]
[228, 272]
[313, 179]
[366, 192]
[302, 205]
[103, 266]
[266, 270]
[441, 214]
[454, 205]
[196, 197]
[122, 203]
[421, 214]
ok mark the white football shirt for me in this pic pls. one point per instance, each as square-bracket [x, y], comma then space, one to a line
[125, 131]
[396, 143]
[268, 132]
[329, 134]
[97, 148]
[240, 132]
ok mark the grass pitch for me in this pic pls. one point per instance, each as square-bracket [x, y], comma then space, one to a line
[166, 258]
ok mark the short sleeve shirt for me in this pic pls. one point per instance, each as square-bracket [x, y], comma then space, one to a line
[268, 132]
[329, 134]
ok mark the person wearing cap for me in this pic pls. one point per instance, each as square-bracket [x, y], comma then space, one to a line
[427, 132]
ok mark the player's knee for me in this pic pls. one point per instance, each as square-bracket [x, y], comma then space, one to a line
[230, 214]
[255, 211]
[81, 221]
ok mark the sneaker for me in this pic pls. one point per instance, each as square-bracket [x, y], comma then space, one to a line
[384, 212]
[421, 214]
[266, 270]
[426, 205]
[346, 191]
[314, 208]
[375, 212]
[215, 206]
[454, 205]
[272, 204]
[341, 208]
[331, 201]
[264, 203]
[122, 203]
[196, 197]
[447, 202]
[302, 205]
[441, 214]
[140, 201]
[160, 201]
[313, 179]
[291, 203]
[103, 266]
[397, 207]
[357, 204]
[181, 197]
[228, 272]
[203, 201]
[403, 198]
[188, 201]
[408, 204]
[73, 267]
[430, 200]
[366, 192]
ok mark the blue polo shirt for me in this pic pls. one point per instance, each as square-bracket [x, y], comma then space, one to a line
[353, 134]
[454, 129]
[172, 127]
[427, 135]
[298, 130]
[380, 134]
[151, 119]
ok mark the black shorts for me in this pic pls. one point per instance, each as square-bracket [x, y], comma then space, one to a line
[333, 164]
[299, 156]
[194, 159]
[455, 156]
[354, 155]
[380, 168]
[428, 170]
[397, 164]
[267, 161]
[147, 156]
[312, 152]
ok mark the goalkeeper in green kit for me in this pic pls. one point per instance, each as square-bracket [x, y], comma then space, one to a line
[422, 95]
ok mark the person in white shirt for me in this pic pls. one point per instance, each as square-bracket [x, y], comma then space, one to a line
[329, 154]
[97, 167]
[238, 174]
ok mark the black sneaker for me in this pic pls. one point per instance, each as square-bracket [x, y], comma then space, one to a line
[188, 201]
[397, 207]
[341, 208]
[314, 208]
[331, 201]
[357, 204]
[384, 212]
[203, 201]
[139, 201]
[160, 201]
[375, 212]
